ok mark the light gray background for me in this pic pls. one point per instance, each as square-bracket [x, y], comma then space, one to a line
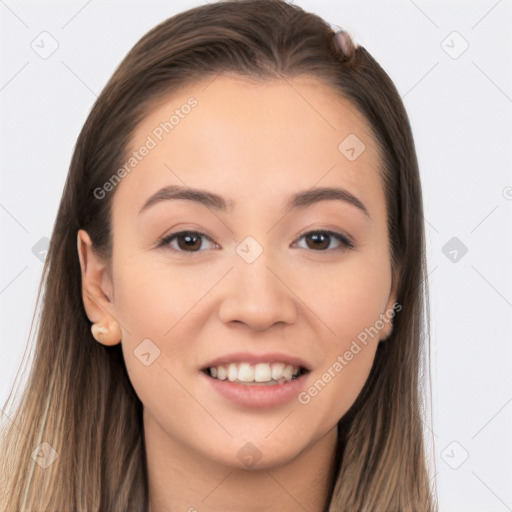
[460, 106]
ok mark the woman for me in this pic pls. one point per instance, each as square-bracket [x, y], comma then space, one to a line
[234, 290]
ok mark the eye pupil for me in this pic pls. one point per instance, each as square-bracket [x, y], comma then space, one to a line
[189, 242]
[319, 237]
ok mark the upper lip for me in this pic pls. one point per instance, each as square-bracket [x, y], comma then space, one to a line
[247, 357]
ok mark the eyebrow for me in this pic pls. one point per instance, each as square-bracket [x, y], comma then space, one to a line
[211, 200]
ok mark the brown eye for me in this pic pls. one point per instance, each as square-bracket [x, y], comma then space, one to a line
[318, 241]
[189, 242]
[185, 241]
[322, 240]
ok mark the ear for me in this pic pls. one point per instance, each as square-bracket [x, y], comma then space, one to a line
[97, 289]
[392, 307]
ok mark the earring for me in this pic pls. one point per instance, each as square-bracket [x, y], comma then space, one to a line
[98, 331]
[107, 335]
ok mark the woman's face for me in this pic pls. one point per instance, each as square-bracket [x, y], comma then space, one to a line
[261, 279]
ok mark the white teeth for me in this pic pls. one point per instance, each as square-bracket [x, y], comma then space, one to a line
[221, 372]
[277, 370]
[246, 372]
[232, 372]
[262, 372]
[288, 372]
[270, 373]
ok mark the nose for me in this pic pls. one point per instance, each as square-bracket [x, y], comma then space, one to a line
[258, 296]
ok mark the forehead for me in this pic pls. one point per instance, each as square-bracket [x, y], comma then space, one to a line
[252, 140]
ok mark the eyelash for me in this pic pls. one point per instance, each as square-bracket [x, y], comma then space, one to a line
[344, 241]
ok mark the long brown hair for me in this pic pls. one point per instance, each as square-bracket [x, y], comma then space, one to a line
[78, 397]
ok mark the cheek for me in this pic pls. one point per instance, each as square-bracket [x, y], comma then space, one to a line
[349, 302]
[348, 297]
[151, 298]
[160, 307]
[152, 302]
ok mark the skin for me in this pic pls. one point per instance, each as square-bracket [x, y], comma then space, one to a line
[256, 144]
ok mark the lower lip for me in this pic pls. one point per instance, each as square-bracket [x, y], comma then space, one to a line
[258, 396]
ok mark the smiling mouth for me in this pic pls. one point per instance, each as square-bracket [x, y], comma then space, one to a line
[259, 374]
